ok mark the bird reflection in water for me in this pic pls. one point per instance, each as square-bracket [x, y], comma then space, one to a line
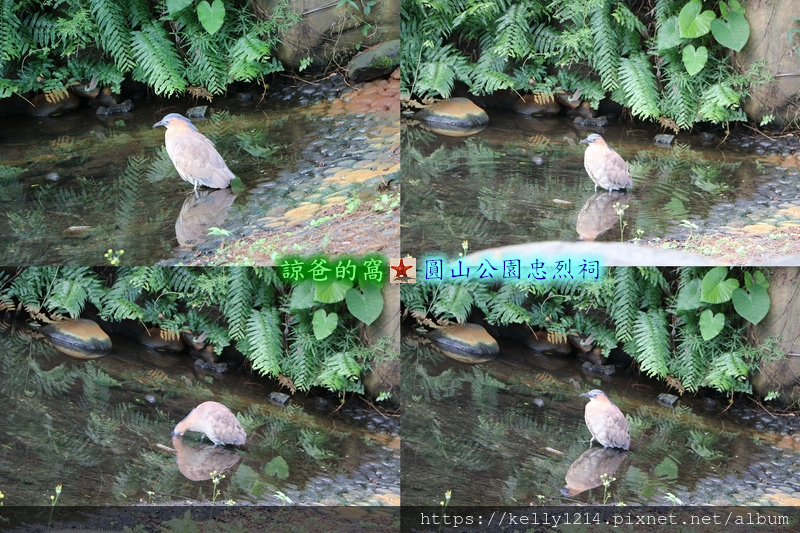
[588, 470]
[199, 213]
[600, 212]
[197, 462]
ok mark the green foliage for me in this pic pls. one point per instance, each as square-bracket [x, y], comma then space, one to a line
[49, 46]
[690, 331]
[235, 305]
[656, 58]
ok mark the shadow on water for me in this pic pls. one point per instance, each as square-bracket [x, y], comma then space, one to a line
[522, 180]
[512, 432]
[102, 429]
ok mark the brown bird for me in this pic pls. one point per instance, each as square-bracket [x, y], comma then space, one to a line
[194, 156]
[605, 421]
[215, 421]
[605, 166]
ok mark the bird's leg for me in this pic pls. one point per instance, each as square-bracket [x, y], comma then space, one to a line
[197, 196]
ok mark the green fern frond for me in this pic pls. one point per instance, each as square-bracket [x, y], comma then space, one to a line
[512, 37]
[638, 84]
[158, 63]
[12, 43]
[455, 299]
[264, 341]
[719, 103]
[249, 58]
[114, 35]
[625, 306]
[607, 49]
[651, 336]
[238, 305]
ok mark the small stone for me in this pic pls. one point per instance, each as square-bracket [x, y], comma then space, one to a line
[538, 402]
[197, 111]
[664, 139]
[279, 398]
[53, 176]
[667, 399]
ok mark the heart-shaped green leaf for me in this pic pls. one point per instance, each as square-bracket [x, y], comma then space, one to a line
[694, 59]
[732, 34]
[753, 306]
[331, 291]
[211, 16]
[365, 306]
[302, 295]
[277, 467]
[717, 289]
[173, 6]
[711, 324]
[689, 297]
[692, 22]
[669, 35]
[324, 323]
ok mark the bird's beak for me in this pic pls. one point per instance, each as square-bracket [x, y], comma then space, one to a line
[161, 123]
[585, 141]
[585, 395]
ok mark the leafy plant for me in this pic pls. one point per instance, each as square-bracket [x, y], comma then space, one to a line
[655, 58]
[274, 324]
[691, 331]
[52, 45]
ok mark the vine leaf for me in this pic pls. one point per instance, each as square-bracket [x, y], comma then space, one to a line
[689, 297]
[331, 291]
[324, 323]
[694, 59]
[732, 34]
[366, 306]
[711, 324]
[753, 306]
[669, 35]
[716, 289]
[174, 6]
[211, 16]
[692, 22]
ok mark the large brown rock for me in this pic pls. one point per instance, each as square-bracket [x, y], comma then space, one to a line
[782, 376]
[770, 23]
[469, 339]
[80, 333]
[327, 31]
[454, 113]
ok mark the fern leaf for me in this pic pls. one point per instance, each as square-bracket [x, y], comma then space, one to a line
[238, 305]
[264, 341]
[12, 43]
[638, 83]
[158, 62]
[114, 34]
[652, 342]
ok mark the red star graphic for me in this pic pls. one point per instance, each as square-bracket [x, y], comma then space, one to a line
[401, 269]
